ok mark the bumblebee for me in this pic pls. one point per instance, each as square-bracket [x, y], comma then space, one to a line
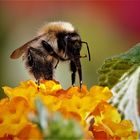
[56, 41]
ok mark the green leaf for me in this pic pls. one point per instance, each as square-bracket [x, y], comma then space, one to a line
[115, 67]
[121, 73]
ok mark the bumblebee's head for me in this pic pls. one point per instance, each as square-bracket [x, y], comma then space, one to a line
[69, 42]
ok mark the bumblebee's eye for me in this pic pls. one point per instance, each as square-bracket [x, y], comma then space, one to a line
[72, 37]
[75, 40]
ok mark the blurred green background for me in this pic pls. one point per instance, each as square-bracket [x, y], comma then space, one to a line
[109, 27]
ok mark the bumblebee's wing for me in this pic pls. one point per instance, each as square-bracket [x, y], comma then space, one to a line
[19, 51]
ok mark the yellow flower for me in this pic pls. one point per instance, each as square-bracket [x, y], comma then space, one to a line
[108, 123]
[13, 117]
[72, 103]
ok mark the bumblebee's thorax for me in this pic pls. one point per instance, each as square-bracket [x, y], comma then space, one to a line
[52, 29]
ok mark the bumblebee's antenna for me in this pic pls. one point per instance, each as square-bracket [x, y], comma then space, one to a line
[87, 49]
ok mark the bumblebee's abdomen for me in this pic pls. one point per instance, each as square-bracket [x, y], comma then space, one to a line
[39, 64]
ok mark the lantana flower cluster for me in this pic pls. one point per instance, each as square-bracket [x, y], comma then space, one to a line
[90, 108]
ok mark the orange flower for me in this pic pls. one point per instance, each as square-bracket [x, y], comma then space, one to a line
[72, 103]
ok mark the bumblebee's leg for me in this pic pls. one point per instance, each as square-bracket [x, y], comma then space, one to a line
[80, 77]
[73, 69]
[78, 66]
[56, 63]
[51, 52]
[38, 82]
[47, 47]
